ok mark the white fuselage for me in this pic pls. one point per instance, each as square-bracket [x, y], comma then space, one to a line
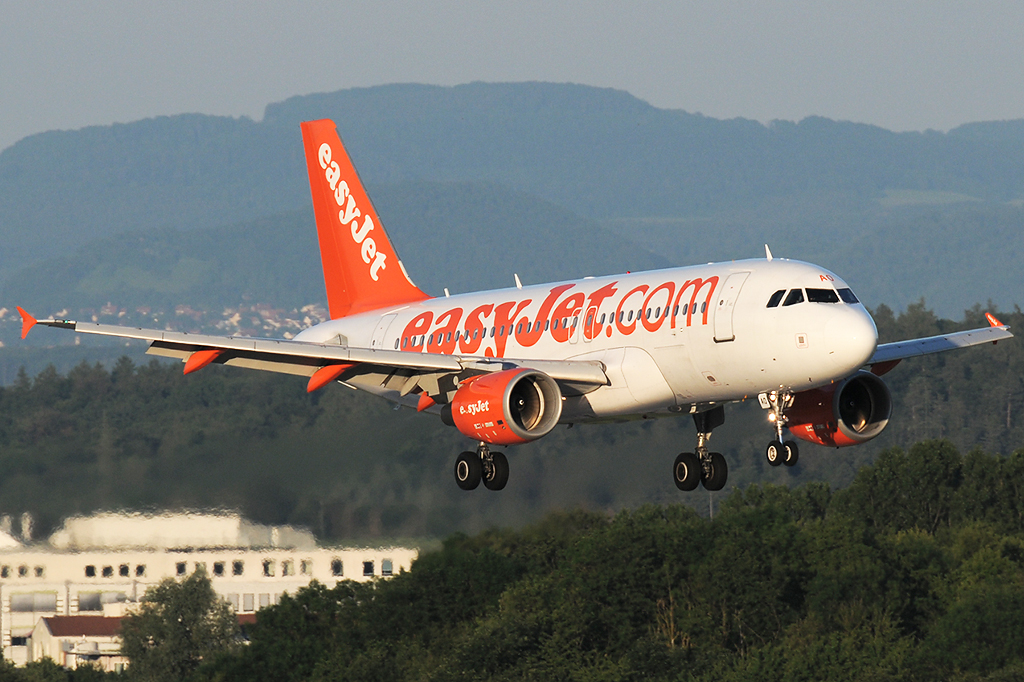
[670, 340]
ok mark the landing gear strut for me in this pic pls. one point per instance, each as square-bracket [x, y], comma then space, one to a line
[702, 466]
[779, 451]
[482, 465]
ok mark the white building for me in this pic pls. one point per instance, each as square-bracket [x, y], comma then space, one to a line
[97, 565]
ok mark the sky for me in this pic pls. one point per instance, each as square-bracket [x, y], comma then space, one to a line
[910, 65]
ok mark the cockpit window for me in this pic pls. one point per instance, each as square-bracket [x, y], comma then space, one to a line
[822, 296]
[776, 298]
[848, 296]
[795, 296]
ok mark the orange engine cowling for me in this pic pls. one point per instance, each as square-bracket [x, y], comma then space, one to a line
[852, 411]
[508, 407]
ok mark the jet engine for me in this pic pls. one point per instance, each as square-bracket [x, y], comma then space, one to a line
[849, 412]
[508, 407]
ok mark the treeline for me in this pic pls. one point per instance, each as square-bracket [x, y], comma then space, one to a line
[913, 572]
[344, 464]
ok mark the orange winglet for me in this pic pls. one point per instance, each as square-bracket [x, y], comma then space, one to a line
[988, 316]
[425, 403]
[325, 375]
[200, 359]
[27, 321]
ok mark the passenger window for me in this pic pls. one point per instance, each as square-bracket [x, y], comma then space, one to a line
[822, 296]
[776, 298]
[795, 296]
[848, 296]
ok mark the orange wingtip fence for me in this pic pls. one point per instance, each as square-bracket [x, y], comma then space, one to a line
[27, 321]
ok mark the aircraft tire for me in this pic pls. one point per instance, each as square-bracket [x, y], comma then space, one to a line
[686, 471]
[719, 474]
[468, 470]
[792, 453]
[499, 472]
[775, 453]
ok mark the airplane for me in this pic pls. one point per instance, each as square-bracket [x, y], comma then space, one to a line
[506, 366]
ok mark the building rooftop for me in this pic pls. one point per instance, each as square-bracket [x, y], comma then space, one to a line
[83, 626]
[193, 530]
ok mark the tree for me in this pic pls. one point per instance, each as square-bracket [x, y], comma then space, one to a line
[178, 625]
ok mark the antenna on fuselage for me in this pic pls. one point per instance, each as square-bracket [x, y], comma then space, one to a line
[519, 285]
[767, 253]
[446, 294]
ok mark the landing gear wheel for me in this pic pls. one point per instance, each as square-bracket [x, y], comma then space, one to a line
[775, 453]
[717, 472]
[496, 475]
[468, 470]
[792, 453]
[686, 471]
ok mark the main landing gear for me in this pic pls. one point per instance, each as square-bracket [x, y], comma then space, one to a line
[482, 465]
[779, 451]
[702, 466]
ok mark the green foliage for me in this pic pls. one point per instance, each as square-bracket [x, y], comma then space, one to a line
[178, 625]
[776, 587]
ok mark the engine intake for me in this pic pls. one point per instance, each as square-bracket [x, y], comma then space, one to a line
[508, 407]
[852, 411]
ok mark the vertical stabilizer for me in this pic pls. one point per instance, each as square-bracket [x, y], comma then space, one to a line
[361, 269]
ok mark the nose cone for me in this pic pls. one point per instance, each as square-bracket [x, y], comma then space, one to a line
[850, 338]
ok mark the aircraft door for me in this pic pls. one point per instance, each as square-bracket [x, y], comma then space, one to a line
[382, 329]
[726, 305]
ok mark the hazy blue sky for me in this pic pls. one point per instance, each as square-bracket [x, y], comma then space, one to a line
[902, 65]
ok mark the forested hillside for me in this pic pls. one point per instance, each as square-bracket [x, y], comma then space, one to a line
[903, 215]
[914, 572]
[343, 463]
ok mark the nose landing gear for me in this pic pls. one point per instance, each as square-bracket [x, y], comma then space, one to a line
[483, 465]
[702, 466]
[779, 451]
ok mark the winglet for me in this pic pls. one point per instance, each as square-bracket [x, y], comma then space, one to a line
[767, 252]
[988, 316]
[27, 321]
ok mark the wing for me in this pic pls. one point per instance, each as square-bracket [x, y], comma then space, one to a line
[406, 373]
[888, 355]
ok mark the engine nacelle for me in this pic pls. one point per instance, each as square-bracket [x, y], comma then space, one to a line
[508, 407]
[852, 411]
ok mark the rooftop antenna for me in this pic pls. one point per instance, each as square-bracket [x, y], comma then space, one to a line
[767, 253]
[519, 285]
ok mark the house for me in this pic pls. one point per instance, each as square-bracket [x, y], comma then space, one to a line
[72, 641]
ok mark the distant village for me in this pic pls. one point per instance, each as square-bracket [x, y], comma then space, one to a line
[258, 319]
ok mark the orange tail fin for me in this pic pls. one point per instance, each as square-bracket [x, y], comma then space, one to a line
[361, 268]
